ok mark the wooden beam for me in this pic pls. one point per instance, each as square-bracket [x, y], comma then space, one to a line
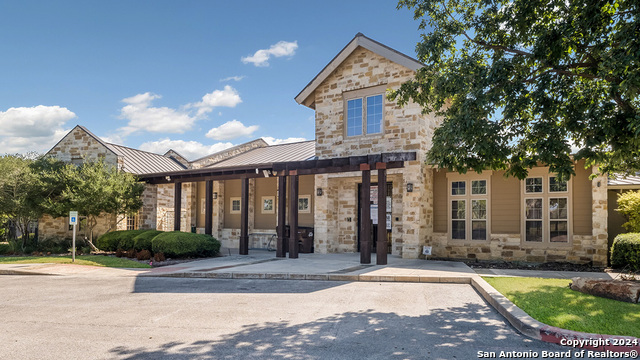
[244, 217]
[293, 216]
[177, 206]
[282, 213]
[208, 207]
[381, 243]
[365, 226]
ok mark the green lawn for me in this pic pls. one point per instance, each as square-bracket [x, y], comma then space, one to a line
[94, 260]
[553, 303]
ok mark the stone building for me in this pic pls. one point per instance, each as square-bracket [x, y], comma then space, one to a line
[363, 185]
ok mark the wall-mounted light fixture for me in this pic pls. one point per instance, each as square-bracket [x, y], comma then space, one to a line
[215, 195]
[319, 191]
[409, 187]
[598, 183]
[168, 178]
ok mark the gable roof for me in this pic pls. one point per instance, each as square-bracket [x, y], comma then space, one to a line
[298, 151]
[142, 162]
[367, 43]
[96, 138]
[223, 153]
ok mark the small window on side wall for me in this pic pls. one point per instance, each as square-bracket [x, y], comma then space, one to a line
[304, 204]
[268, 205]
[234, 205]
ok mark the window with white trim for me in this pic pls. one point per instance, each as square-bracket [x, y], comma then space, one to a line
[234, 205]
[365, 115]
[546, 210]
[469, 209]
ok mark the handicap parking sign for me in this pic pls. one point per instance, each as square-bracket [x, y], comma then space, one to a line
[73, 217]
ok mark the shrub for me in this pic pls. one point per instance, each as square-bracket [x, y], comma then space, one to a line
[4, 249]
[629, 207]
[54, 245]
[131, 253]
[144, 255]
[626, 251]
[113, 240]
[120, 253]
[182, 244]
[143, 241]
[159, 257]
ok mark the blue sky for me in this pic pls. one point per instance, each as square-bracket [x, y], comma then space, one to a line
[196, 76]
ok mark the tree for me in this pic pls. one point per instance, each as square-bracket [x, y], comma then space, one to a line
[94, 189]
[522, 82]
[629, 207]
[24, 188]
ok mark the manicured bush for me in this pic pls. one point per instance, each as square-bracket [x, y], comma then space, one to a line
[114, 240]
[143, 241]
[54, 245]
[182, 244]
[4, 249]
[629, 207]
[159, 257]
[626, 251]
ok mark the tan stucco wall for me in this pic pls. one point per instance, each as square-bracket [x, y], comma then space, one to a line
[440, 201]
[505, 204]
[232, 188]
[582, 216]
[265, 187]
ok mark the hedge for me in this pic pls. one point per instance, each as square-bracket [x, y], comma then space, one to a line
[183, 244]
[626, 251]
[114, 240]
[143, 241]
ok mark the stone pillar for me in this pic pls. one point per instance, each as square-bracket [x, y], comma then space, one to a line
[149, 211]
[322, 215]
[218, 209]
[381, 241]
[414, 209]
[599, 218]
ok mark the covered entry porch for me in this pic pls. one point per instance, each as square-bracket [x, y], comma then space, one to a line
[288, 184]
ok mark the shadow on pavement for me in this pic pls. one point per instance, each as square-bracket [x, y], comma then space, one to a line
[227, 286]
[458, 332]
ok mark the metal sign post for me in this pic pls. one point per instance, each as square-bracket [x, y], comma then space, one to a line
[73, 220]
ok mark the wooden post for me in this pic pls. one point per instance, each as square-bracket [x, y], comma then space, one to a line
[208, 207]
[244, 217]
[293, 215]
[282, 213]
[177, 206]
[365, 227]
[381, 244]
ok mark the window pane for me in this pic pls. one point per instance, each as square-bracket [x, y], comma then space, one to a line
[558, 208]
[235, 205]
[556, 185]
[533, 185]
[478, 209]
[479, 187]
[458, 209]
[479, 230]
[533, 209]
[558, 231]
[354, 117]
[458, 188]
[458, 229]
[533, 231]
[374, 114]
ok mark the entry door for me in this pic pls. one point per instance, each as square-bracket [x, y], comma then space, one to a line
[376, 223]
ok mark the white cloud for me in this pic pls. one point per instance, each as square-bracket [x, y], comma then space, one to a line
[190, 149]
[227, 97]
[273, 141]
[234, 78]
[36, 128]
[24, 144]
[261, 57]
[231, 130]
[142, 116]
[34, 121]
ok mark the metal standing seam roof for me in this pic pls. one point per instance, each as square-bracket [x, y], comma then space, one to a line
[299, 151]
[624, 181]
[141, 162]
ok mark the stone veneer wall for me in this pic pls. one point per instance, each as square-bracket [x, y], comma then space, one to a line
[405, 129]
[59, 227]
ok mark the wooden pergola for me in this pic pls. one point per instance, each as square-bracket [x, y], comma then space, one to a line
[288, 172]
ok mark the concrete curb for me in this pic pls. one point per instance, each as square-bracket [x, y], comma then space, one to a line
[22, 272]
[519, 319]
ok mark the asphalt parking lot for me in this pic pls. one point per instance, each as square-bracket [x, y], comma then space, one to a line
[55, 317]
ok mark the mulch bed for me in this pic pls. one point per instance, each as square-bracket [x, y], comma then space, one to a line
[552, 266]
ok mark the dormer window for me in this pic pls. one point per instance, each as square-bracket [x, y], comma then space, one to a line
[365, 115]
